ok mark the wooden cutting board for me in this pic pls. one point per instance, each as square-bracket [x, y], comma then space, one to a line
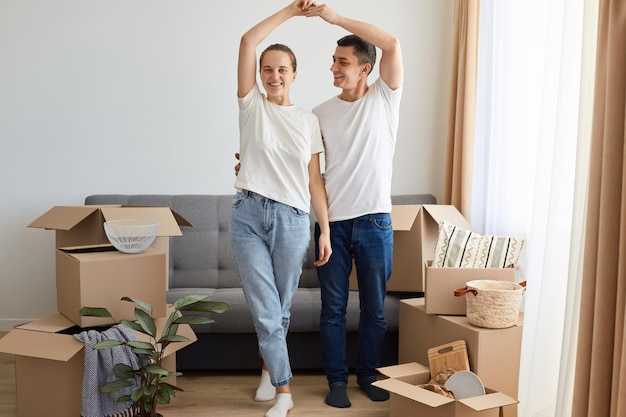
[450, 355]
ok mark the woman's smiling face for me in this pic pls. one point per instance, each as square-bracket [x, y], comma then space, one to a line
[277, 74]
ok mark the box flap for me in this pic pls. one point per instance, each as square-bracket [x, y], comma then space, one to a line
[413, 392]
[63, 217]
[49, 324]
[93, 253]
[39, 340]
[448, 213]
[168, 222]
[490, 400]
[179, 219]
[102, 247]
[395, 371]
[403, 216]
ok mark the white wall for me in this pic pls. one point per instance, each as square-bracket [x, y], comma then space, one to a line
[138, 96]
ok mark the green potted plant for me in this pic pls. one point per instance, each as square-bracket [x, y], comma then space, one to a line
[149, 380]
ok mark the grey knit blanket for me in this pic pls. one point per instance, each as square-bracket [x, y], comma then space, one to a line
[98, 370]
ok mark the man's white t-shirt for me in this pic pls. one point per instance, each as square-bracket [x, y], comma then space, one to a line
[359, 141]
[275, 147]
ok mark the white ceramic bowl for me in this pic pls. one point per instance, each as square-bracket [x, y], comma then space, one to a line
[131, 236]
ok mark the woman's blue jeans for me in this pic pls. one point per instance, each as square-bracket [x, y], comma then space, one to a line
[368, 240]
[269, 241]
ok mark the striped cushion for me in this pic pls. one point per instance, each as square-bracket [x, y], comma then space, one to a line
[457, 247]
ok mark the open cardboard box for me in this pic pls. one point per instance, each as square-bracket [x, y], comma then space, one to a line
[84, 225]
[440, 284]
[416, 229]
[100, 275]
[407, 398]
[49, 364]
[494, 354]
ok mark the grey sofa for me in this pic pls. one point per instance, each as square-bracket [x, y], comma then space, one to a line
[201, 262]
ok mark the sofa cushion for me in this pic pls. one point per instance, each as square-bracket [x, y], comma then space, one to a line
[305, 310]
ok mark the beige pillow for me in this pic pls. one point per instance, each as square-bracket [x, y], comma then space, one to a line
[457, 247]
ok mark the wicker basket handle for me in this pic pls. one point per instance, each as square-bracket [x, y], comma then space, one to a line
[459, 292]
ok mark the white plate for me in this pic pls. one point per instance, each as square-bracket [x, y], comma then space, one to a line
[465, 384]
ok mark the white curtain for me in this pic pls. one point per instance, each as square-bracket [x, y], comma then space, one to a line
[533, 113]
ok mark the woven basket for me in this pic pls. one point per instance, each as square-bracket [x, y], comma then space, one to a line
[492, 304]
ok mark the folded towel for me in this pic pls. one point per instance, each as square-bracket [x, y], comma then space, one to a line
[98, 371]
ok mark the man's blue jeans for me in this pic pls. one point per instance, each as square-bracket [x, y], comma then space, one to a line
[368, 240]
[269, 241]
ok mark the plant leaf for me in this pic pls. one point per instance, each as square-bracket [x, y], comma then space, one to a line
[107, 344]
[156, 370]
[144, 352]
[167, 328]
[136, 344]
[172, 317]
[187, 300]
[207, 307]
[164, 395]
[173, 329]
[124, 398]
[123, 371]
[140, 303]
[149, 390]
[174, 338]
[189, 319]
[136, 393]
[170, 327]
[133, 325]
[174, 387]
[146, 322]
[115, 385]
[168, 331]
[95, 312]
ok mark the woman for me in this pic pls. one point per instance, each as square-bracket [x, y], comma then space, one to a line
[279, 180]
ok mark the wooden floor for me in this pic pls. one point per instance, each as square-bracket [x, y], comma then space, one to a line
[227, 394]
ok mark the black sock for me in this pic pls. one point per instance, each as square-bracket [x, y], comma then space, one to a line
[374, 393]
[338, 397]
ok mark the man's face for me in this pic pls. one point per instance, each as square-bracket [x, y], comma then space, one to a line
[277, 73]
[347, 72]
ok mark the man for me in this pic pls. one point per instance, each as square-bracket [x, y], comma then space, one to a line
[359, 128]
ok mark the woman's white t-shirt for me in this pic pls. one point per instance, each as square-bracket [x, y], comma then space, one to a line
[275, 146]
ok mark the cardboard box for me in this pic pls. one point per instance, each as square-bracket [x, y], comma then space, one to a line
[408, 399]
[49, 365]
[99, 276]
[494, 354]
[416, 229]
[84, 225]
[441, 282]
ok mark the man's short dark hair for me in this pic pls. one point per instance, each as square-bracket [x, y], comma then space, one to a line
[364, 51]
